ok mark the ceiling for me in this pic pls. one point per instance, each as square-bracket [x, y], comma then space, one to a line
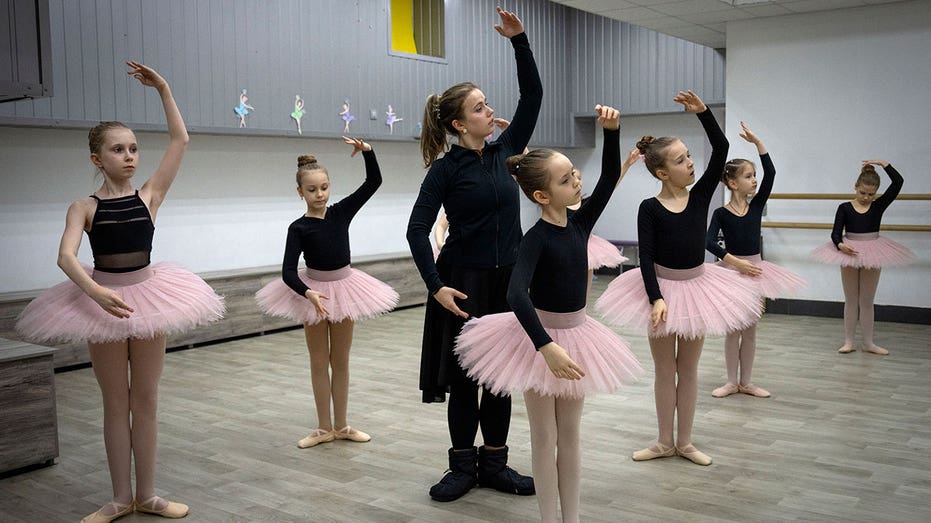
[704, 21]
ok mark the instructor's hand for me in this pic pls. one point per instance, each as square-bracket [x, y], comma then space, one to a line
[447, 298]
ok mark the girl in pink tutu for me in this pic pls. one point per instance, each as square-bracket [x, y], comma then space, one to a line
[329, 296]
[124, 307]
[549, 348]
[677, 296]
[739, 220]
[862, 253]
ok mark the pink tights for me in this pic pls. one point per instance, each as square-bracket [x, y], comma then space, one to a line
[555, 454]
[676, 387]
[859, 292]
[128, 373]
[328, 345]
[739, 351]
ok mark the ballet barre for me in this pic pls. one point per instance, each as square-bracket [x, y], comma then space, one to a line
[811, 225]
[837, 196]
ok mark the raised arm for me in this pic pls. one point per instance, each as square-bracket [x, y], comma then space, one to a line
[590, 211]
[766, 186]
[156, 187]
[769, 171]
[352, 203]
[518, 134]
[892, 192]
[708, 182]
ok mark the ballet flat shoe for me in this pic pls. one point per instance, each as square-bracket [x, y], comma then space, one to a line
[316, 437]
[725, 390]
[351, 434]
[694, 455]
[171, 511]
[753, 390]
[97, 517]
[648, 453]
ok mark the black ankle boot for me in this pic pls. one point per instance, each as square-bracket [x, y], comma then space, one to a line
[494, 472]
[459, 479]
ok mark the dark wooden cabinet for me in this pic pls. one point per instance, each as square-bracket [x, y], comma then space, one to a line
[28, 417]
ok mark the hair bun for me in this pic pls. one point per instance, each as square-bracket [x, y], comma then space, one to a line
[512, 164]
[306, 159]
[645, 143]
[868, 168]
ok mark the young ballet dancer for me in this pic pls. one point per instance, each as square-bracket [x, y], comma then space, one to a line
[329, 296]
[549, 348]
[674, 293]
[862, 253]
[739, 221]
[125, 306]
[471, 182]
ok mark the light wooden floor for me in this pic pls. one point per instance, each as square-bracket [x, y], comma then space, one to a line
[844, 437]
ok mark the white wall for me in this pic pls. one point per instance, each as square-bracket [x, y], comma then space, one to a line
[824, 91]
[229, 207]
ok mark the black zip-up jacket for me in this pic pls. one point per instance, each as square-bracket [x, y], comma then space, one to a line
[481, 200]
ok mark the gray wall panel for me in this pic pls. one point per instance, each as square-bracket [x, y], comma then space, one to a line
[649, 67]
[328, 51]
[8, 65]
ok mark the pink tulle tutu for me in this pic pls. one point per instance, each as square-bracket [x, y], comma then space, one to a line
[352, 294]
[496, 351]
[703, 300]
[602, 253]
[873, 252]
[166, 299]
[775, 281]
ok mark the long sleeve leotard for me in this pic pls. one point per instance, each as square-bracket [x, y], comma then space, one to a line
[553, 262]
[742, 233]
[677, 240]
[325, 241]
[847, 218]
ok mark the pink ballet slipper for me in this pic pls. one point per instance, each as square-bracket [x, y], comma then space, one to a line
[725, 390]
[694, 455]
[876, 349]
[654, 452]
[753, 390]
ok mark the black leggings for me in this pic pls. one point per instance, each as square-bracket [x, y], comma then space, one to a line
[464, 414]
